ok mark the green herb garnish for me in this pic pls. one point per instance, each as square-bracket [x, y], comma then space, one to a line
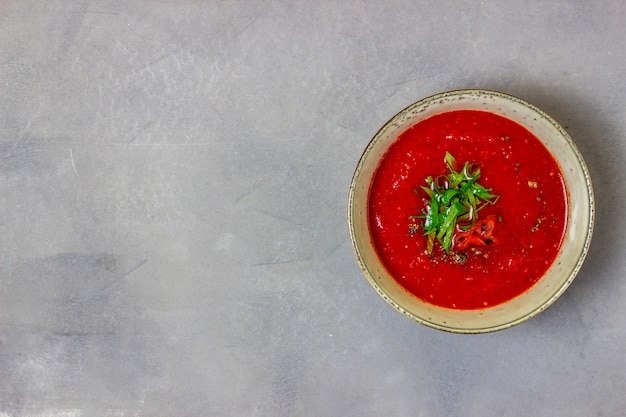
[454, 199]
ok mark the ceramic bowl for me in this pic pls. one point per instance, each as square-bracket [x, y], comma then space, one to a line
[577, 235]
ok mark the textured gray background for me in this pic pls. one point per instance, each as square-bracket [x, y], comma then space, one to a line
[173, 183]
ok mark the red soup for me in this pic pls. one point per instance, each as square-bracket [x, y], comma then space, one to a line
[502, 244]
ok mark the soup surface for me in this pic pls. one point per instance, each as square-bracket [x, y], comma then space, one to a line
[527, 219]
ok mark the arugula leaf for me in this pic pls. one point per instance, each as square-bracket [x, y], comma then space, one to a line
[453, 199]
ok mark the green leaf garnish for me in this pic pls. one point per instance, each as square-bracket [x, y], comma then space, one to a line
[453, 199]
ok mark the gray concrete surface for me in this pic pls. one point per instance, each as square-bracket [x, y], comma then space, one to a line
[173, 183]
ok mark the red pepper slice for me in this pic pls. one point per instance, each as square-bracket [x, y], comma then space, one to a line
[480, 234]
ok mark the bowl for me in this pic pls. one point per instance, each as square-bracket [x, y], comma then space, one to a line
[575, 241]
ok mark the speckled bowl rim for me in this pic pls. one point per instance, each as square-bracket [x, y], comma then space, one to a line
[433, 100]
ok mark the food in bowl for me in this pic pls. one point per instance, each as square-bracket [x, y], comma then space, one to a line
[471, 211]
[524, 216]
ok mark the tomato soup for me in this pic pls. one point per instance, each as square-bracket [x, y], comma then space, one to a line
[531, 210]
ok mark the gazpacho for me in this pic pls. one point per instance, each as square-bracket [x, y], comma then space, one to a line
[467, 209]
